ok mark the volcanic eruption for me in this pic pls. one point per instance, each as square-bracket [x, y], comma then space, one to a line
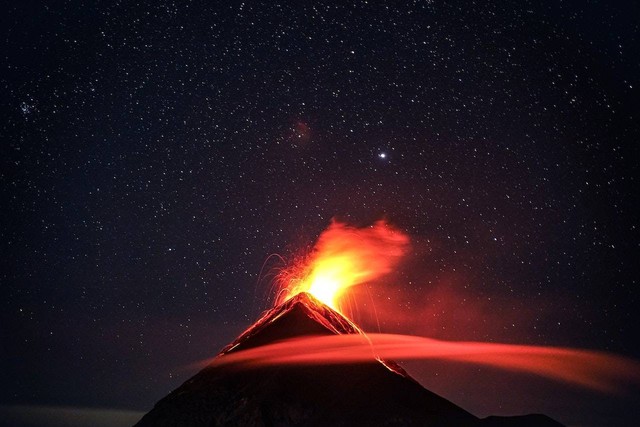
[305, 363]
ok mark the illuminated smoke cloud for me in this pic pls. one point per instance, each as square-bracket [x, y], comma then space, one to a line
[345, 256]
[595, 370]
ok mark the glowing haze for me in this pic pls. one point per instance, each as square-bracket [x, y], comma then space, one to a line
[344, 256]
[591, 369]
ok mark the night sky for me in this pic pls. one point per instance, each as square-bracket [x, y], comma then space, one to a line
[155, 155]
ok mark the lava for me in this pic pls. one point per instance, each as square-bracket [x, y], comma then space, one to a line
[344, 256]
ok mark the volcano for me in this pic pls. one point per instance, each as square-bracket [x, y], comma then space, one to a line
[375, 393]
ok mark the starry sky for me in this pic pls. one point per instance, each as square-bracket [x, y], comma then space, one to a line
[155, 154]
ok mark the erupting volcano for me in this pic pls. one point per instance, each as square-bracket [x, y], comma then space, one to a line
[305, 363]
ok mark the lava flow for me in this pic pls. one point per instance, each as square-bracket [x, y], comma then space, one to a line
[344, 256]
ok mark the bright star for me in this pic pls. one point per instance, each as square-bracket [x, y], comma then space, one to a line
[382, 155]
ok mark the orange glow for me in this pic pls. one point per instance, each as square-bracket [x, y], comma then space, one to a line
[590, 369]
[344, 256]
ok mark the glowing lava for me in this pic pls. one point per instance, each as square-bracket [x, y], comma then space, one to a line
[344, 256]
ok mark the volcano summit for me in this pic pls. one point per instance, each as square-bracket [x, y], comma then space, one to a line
[375, 393]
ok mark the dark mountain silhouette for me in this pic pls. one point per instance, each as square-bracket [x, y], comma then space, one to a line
[364, 394]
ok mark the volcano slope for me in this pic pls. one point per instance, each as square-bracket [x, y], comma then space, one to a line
[375, 393]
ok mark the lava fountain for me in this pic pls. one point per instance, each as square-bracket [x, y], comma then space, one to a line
[344, 256]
